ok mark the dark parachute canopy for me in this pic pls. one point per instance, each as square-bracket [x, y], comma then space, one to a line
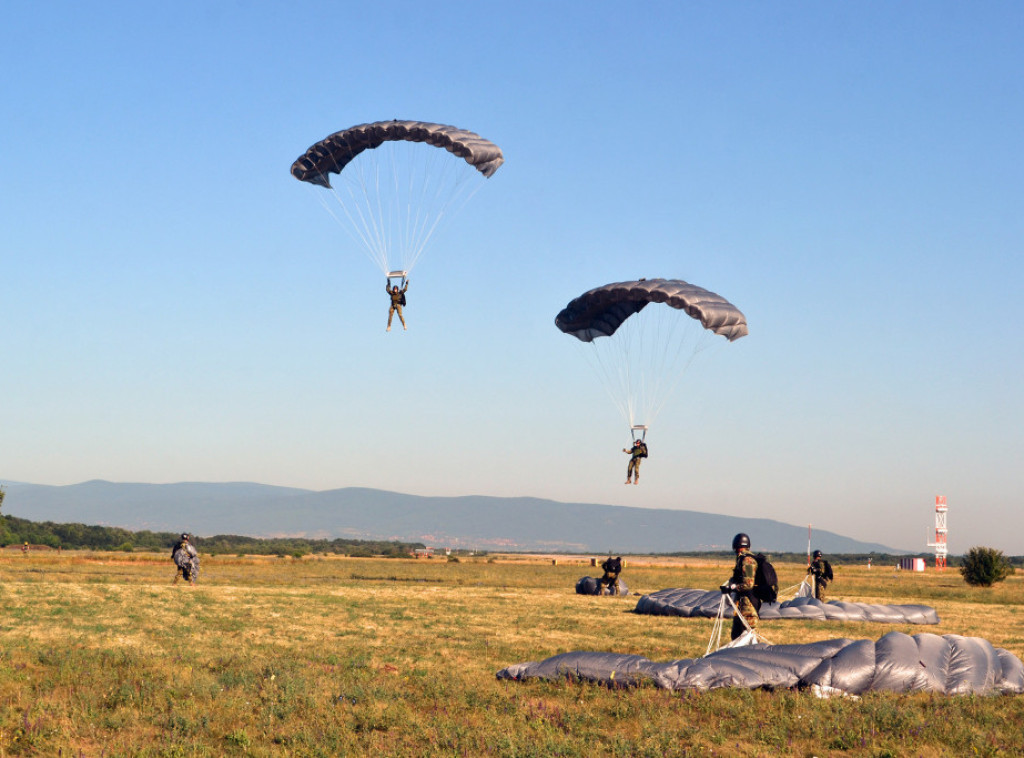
[601, 311]
[640, 353]
[589, 585]
[393, 190]
[947, 664]
[690, 603]
[332, 154]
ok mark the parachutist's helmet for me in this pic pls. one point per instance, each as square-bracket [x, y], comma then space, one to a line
[740, 540]
[184, 537]
[817, 553]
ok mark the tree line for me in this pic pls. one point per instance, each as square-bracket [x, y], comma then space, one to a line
[18, 531]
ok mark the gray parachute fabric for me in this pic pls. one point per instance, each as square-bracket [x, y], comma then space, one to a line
[331, 154]
[948, 664]
[589, 585]
[704, 604]
[186, 557]
[601, 311]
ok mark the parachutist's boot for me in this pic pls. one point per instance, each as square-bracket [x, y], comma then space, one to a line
[629, 481]
[388, 329]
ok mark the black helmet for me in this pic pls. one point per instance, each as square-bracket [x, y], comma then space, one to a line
[740, 540]
[817, 553]
[184, 536]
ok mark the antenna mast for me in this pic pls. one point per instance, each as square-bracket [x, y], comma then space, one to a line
[940, 532]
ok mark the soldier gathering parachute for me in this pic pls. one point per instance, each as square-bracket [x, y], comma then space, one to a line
[395, 187]
[642, 335]
[947, 664]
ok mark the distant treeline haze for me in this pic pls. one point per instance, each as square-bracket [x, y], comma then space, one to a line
[18, 531]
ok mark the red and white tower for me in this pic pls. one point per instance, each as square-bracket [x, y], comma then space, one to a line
[940, 532]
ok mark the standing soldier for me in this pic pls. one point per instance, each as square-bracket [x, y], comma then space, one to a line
[186, 558]
[612, 568]
[397, 301]
[637, 454]
[742, 583]
[820, 571]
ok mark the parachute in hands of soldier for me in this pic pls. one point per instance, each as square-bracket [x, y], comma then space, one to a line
[186, 558]
[589, 585]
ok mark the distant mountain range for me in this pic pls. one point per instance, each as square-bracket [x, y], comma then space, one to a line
[474, 522]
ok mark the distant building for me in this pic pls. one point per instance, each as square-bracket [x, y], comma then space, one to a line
[912, 564]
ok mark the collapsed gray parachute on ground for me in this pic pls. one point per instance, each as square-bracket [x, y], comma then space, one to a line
[948, 664]
[601, 311]
[588, 585]
[704, 604]
[331, 154]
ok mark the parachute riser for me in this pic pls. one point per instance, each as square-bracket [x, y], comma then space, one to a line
[642, 429]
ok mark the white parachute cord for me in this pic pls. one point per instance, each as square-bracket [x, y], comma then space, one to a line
[737, 614]
[716, 630]
[353, 230]
[612, 374]
[794, 589]
[688, 345]
[453, 188]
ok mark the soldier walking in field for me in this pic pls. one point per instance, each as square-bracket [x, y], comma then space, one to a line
[820, 571]
[186, 558]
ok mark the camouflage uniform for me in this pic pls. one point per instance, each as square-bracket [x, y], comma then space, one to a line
[397, 297]
[743, 578]
[821, 570]
[636, 456]
[612, 568]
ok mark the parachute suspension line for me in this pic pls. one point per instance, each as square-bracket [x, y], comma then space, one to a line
[354, 230]
[364, 225]
[716, 629]
[684, 341]
[613, 374]
[454, 186]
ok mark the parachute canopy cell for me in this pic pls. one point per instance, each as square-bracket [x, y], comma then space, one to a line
[331, 154]
[601, 311]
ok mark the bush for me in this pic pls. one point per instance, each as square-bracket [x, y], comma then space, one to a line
[984, 566]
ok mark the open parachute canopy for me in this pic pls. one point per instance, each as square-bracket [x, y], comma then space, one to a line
[332, 154]
[394, 187]
[642, 335]
[601, 311]
[946, 665]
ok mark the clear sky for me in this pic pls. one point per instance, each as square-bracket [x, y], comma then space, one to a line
[176, 307]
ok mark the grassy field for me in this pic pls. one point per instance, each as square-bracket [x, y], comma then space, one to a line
[100, 655]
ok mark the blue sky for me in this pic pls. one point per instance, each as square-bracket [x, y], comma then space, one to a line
[176, 307]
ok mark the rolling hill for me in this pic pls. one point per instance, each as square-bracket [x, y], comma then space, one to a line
[475, 522]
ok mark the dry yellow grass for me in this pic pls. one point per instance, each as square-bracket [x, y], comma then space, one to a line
[101, 655]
